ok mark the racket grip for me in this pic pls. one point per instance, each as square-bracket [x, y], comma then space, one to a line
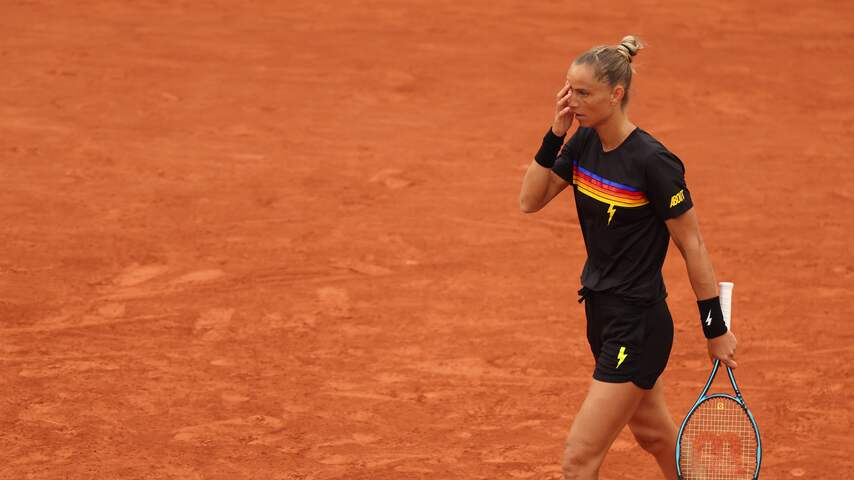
[725, 289]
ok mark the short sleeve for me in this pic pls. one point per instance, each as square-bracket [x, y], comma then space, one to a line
[570, 153]
[665, 185]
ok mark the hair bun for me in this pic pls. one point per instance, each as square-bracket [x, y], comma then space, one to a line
[629, 46]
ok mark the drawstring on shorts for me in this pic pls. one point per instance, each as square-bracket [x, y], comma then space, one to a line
[583, 294]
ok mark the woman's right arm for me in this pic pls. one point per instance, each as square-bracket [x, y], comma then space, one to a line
[540, 184]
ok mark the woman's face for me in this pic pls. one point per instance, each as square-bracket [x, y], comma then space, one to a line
[592, 101]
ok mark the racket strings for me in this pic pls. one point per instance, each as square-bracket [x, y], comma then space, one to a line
[718, 442]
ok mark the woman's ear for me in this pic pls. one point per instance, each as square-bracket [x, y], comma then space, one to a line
[617, 94]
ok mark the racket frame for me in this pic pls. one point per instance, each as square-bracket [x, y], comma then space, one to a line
[737, 398]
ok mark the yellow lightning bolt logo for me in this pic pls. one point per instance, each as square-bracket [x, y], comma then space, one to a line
[621, 357]
[611, 212]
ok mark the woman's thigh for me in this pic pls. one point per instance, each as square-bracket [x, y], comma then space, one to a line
[603, 414]
[652, 424]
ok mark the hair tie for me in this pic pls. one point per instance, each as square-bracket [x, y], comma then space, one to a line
[628, 51]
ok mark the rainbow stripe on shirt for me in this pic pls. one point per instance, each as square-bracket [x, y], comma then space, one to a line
[606, 191]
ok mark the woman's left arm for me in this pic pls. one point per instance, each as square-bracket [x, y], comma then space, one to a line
[685, 232]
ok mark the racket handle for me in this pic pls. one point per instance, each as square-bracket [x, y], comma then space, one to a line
[726, 301]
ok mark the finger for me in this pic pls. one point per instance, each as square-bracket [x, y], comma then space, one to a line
[730, 361]
[563, 91]
[563, 112]
[567, 96]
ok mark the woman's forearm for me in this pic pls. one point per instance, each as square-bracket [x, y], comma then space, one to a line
[701, 273]
[535, 186]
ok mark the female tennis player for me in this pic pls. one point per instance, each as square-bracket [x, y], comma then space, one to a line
[631, 198]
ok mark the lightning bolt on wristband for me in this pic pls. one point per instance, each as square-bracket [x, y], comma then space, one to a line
[712, 317]
[547, 154]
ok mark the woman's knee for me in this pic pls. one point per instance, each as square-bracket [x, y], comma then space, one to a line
[580, 458]
[651, 440]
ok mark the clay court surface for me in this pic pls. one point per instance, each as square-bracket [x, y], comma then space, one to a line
[282, 241]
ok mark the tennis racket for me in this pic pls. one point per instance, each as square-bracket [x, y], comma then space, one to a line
[719, 439]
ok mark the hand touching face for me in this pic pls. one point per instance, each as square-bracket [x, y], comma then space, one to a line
[591, 101]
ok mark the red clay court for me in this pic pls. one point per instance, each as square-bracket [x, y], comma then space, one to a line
[281, 240]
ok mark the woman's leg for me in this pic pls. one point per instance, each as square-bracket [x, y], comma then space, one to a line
[655, 431]
[605, 411]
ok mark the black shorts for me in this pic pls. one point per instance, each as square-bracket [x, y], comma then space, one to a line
[630, 342]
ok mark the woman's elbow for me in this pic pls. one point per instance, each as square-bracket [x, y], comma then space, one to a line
[529, 205]
[690, 246]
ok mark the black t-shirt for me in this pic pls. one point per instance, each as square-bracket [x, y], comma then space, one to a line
[623, 198]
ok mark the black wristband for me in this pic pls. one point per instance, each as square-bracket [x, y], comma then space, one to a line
[712, 317]
[547, 154]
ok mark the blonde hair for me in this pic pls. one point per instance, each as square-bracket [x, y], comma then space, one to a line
[613, 63]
